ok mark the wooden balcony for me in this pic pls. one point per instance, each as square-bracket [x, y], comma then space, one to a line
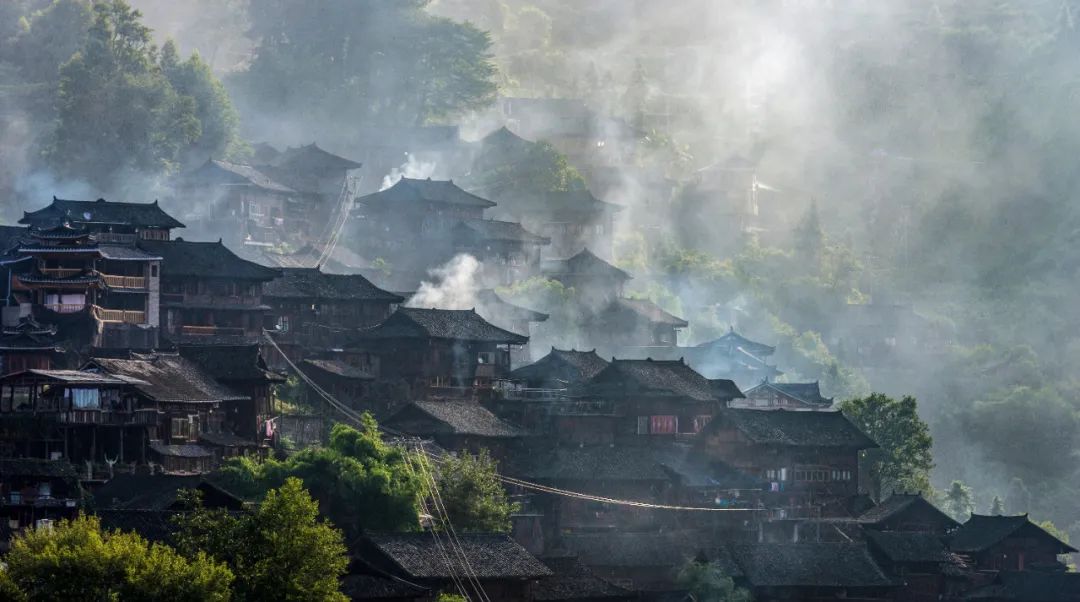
[65, 308]
[108, 417]
[120, 315]
[212, 331]
[129, 282]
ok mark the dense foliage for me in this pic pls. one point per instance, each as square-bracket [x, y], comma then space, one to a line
[384, 63]
[471, 493]
[358, 480]
[282, 550]
[903, 460]
[76, 560]
[706, 582]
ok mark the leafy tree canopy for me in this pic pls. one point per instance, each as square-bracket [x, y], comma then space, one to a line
[125, 109]
[958, 501]
[904, 459]
[280, 551]
[76, 560]
[357, 479]
[363, 62]
[472, 495]
[707, 582]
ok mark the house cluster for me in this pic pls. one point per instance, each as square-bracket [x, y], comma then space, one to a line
[133, 362]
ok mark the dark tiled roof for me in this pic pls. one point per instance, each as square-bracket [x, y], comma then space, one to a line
[239, 173]
[733, 340]
[585, 363]
[574, 581]
[584, 263]
[32, 467]
[372, 587]
[488, 229]
[122, 253]
[981, 532]
[903, 546]
[11, 237]
[647, 310]
[339, 368]
[452, 324]
[152, 525]
[799, 429]
[142, 215]
[29, 334]
[169, 378]
[601, 462]
[189, 450]
[570, 201]
[225, 440]
[1031, 586]
[81, 377]
[809, 393]
[313, 158]
[313, 283]
[901, 502]
[670, 378]
[230, 363]
[205, 260]
[489, 556]
[491, 302]
[809, 565]
[461, 417]
[408, 190]
[157, 492]
[634, 550]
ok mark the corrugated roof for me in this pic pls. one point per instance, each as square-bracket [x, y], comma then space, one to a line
[245, 173]
[125, 253]
[82, 377]
[733, 340]
[189, 450]
[809, 393]
[574, 581]
[452, 324]
[489, 556]
[230, 363]
[898, 503]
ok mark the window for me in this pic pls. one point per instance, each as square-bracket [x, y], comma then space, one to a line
[185, 428]
[700, 422]
[643, 425]
[663, 425]
[153, 270]
[283, 323]
[85, 399]
[485, 357]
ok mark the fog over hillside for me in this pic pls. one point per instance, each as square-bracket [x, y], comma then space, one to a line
[811, 173]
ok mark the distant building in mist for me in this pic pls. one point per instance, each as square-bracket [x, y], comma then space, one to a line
[733, 356]
[788, 396]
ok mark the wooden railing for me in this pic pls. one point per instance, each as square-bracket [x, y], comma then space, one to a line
[124, 281]
[120, 315]
[61, 272]
[211, 330]
[65, 308]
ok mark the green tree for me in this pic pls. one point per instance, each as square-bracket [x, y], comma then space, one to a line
[997, 506]
[218, 121]
[358, 480]
[333, 61]
[1052, 529]
[118, 113]
[444, 597]
[282, 551]
[958, 502]
[470, 491]
[903, 459]
[707, 582]
[48, 38]
[76, 560]
[506, 172]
